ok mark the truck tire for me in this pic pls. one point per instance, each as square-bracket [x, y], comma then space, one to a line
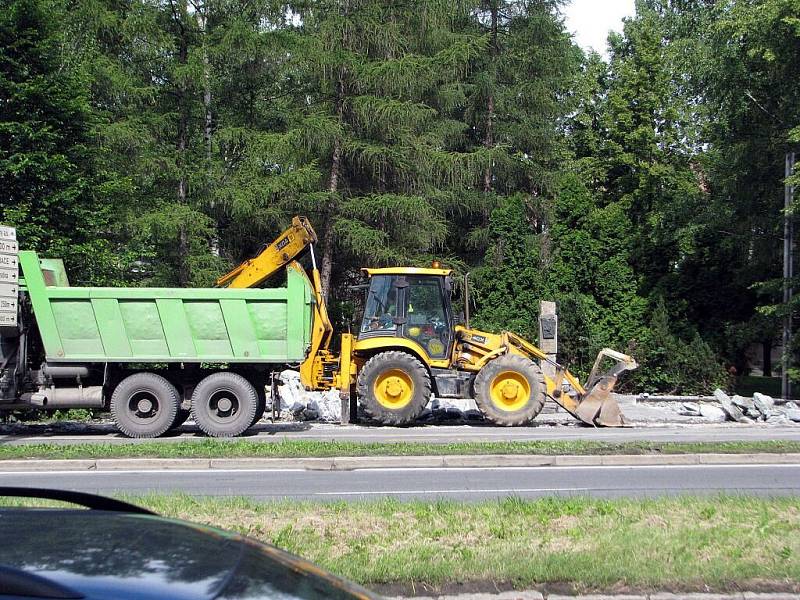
[510, 390]
[144, 405]
[394, 388]
[261, 406]
[224, 404]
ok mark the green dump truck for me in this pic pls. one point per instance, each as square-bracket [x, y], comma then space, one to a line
[147, 354]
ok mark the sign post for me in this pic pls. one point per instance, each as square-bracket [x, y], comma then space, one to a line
[9, 277]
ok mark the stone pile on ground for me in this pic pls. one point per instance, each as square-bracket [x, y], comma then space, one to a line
[743, 410]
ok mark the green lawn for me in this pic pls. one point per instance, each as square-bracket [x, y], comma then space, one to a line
[240, 448]
[683, 543]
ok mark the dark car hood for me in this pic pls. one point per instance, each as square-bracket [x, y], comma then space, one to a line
[138, 557]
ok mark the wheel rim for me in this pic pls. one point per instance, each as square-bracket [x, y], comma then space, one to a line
[143, 406]
[510, 391]
[394, 389]
[223, 405]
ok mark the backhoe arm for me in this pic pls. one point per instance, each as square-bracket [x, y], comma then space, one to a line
[273, 257]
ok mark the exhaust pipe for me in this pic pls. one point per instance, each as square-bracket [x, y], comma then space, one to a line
[82, 397]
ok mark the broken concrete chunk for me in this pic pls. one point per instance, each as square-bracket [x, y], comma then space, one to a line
[793, 414]
[763, 403]
[753, 413]
[733, 411]
[691, 409]
[713, 413]
[742, 402]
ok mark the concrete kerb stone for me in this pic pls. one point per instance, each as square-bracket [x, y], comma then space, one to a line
[499, 460]
[311, 464]
[11, 466]
[697, 596]
[151, 464]
[388, 462]
[596, 597]
[534, 595]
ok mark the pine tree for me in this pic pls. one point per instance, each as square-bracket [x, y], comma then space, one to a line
[372, 125]
[46, 162]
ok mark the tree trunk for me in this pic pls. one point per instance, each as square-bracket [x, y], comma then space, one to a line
[488, 141]
[329, 237]
[767, 356]
[181, 146]
[202, 21]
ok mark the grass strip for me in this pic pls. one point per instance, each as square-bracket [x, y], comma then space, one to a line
[243, 448]
[717, 543]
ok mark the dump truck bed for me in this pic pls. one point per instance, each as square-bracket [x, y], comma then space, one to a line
[99, 324]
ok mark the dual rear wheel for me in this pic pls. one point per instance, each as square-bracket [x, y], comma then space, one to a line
[224, 404]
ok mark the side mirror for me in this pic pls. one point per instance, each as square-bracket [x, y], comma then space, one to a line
[461, 319]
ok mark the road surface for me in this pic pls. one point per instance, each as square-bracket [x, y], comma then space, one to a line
[435, 434]
[434, 483]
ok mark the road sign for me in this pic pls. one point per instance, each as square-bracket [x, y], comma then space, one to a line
[8, 305]
[8, 247]
[8, 233]
[9, 275]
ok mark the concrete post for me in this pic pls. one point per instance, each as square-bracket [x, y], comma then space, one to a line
[548, 334]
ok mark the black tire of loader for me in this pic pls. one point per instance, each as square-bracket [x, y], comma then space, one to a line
[393, 360]
[519, 364]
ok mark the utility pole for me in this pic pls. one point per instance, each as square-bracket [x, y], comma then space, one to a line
[788, 274]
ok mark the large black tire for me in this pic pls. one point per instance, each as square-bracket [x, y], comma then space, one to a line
[224, 404]
[524, 380]
[144, 405]
[382, 376]
[261, 406]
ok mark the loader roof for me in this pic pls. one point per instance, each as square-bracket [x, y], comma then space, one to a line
[407, 271]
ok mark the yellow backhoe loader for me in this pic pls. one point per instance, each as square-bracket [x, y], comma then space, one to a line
[409, 346]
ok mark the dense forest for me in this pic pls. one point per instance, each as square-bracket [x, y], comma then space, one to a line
[159, 142]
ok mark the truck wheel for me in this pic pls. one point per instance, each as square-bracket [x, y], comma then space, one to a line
[510, 390]
[224, 404]
[144, 405]
[260, 407]
[394, 388]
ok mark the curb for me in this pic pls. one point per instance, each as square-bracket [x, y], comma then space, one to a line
[348, 463]
[534, 595]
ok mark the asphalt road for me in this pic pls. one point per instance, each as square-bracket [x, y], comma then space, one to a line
[436, 434]
[429, 484]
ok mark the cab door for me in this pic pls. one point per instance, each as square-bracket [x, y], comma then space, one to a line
[425, 314]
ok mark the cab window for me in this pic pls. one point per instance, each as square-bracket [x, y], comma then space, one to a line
[381, 306]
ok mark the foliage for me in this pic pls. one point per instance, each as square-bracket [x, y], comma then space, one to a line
[162, 141]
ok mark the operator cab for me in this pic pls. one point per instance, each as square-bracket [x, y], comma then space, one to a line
[410, 303]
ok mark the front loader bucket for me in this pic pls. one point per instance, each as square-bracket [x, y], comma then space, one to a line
[596, 406]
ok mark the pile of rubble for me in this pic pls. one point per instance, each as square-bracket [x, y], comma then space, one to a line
[298, 404]
[743, 410]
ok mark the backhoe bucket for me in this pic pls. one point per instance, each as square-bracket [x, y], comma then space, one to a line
[596, 406]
